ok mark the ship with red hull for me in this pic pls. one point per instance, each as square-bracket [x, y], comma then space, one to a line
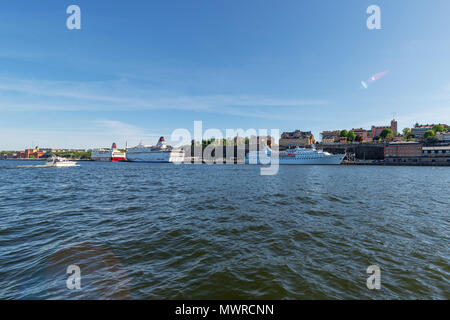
[106, 155]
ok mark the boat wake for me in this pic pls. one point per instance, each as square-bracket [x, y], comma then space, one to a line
[32, 166]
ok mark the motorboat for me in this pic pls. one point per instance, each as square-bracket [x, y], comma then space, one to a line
[60, 162]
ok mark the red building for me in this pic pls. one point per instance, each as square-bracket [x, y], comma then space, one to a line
[436, 155]
[376, 131]
[30, 153]
[362, 134]
[403, 151]
[416, 153]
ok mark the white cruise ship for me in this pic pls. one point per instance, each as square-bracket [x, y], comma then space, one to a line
[294, 156]
[161, 153]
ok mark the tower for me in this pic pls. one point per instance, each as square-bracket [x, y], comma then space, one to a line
[394, 126]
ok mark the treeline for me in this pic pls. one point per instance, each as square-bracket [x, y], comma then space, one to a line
[75, 155]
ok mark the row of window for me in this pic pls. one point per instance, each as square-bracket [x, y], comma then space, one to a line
[427, 153]
[415, 160]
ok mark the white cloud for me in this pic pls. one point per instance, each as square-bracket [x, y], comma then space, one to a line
[119, 95]
[101, 133]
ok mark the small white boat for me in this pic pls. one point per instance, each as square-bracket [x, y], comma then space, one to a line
[60, 162]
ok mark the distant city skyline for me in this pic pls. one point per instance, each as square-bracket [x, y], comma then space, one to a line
[138, 70]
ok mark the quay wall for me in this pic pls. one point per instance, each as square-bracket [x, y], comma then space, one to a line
[361, 151]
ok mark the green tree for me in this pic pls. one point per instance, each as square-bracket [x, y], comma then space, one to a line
[438, 128]
[406, 132]
[429, 134]
[384, 134]
[344, 133]
[351, 135]
[389, 137]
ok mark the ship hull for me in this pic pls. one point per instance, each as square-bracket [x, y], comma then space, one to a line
[108, 156]
[150, 161]
[108, 159]
[328, 160]
[154, 157]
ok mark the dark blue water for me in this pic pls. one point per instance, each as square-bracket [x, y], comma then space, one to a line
[153, 231]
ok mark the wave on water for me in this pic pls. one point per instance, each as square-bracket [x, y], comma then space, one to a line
[157, 231]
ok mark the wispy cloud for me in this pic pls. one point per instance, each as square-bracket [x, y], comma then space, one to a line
[118, 128]
[119, 95]
[99, 133]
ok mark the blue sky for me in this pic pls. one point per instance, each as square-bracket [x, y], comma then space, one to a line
[140, 69]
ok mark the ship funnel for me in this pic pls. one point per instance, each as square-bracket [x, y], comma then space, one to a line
[161, 142]
[114, 146]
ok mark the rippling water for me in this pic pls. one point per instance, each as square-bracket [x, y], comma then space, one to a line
[152, 231]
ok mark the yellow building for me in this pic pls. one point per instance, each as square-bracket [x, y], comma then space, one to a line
[330, 137]
[296, 139]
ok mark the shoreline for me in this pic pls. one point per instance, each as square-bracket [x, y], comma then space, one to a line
[365, 163]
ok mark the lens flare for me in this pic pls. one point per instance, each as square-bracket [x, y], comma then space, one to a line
[374, 78]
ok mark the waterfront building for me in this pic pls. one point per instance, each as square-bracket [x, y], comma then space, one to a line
[416, 153]
[296, 138]
[362, 135]
[260, 140]
[342, 140]
[48, 150]
[403, 152]
[437, 154]
[30, 153]
[330, 137]
[375, 131]
[443, 136]
[419, 129]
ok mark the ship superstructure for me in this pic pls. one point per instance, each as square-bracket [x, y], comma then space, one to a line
[112, 154]
[161, 153]
[310, 156]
